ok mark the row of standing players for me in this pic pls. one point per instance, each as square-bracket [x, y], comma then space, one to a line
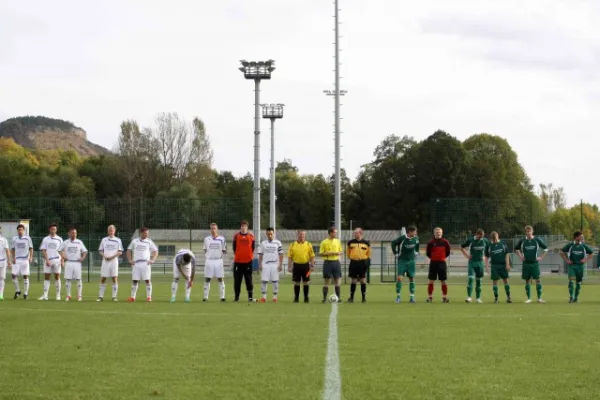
[492, 256]
[482, 254]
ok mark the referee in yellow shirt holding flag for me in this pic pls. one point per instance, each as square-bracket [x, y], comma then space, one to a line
[331, 250]
[301, 262]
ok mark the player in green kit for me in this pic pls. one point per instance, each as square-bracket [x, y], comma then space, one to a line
[476, 248]
[496, 253]
[406, 248]
[576, 255]
[528, 250]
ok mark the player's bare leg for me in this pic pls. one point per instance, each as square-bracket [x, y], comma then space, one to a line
[352, 290]
[398, 288]
[207, 289]
[325, 289]
[134, 288]
[221, 289]
[148, 290]
[430, 286]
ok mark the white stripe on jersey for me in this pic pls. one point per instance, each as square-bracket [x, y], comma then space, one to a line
[110, 246]
[270, 250]
[73, 249]
[214, 247]
[21, 246]
[51, 245]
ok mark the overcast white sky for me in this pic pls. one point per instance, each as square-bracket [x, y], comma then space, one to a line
[524, 70]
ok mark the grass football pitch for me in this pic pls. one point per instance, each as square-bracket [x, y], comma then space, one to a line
[89, 350]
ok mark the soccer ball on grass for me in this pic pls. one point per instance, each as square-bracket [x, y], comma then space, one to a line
[333, 298]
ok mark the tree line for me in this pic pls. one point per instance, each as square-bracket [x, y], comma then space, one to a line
[169, 164]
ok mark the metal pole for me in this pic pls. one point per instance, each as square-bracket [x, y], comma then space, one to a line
[256, 206]
[272, 189]
[338, 194]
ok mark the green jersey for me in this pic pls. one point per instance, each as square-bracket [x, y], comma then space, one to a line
[496, 252]
[406, 247]
[530, 248]
[476, 247]
[576, 252]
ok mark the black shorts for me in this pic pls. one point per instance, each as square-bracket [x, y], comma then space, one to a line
[438, 270]
[357, 269]
[300, 272]
[332, 269]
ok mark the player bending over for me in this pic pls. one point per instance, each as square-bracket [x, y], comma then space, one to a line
[184, 265]
[23, 256]
[497, 254]
[270, 264]
[141, 254]
[5, 261]
[576, 255]
[73, 252]
[53, 262]
[406, 248]
[438, 250]
[473, 249]
[215, 248]
[110, 250]
[528, 250]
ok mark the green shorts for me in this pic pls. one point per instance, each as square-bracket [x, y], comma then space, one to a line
[406, 267]
[498, 271]
[531, 270]
[476, 269]
[576, 271]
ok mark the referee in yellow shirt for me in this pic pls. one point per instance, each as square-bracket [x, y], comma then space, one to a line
[359, 253]
[331, 250]
[301, 262]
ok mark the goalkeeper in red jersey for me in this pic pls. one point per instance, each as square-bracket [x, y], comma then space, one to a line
[438, 250]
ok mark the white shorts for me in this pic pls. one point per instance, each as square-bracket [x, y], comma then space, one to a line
[214, 269]
[72, 270]
[187, 270]
[21, 267]
[109, 269]
[141, 271]
[269, 273]
[54, 267]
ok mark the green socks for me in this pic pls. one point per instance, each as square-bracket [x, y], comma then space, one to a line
[478, 288]
[507, 290]
[538, 289]
[398, 288]
[495, 287]
[528, 291]
[470, 286]
[411, 287]
[577, 290]
[571, 288]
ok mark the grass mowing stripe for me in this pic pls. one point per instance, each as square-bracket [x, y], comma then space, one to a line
[333, 380]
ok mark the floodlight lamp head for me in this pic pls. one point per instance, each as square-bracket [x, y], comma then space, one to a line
[257, 70]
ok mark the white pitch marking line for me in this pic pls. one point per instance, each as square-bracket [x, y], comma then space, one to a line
[333, 378]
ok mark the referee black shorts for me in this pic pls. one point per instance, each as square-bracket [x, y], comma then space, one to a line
[300, 272]
[357, 269]
[438, 270]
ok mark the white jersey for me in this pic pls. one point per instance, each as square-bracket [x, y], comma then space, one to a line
[110, 246]
[214, 247]
[270, 250]
[51, 244]
[3, 248]
[21, 246]
[142, 249]
[179, 257]
[73, 249]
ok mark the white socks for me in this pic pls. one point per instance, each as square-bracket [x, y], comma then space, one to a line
[16, 283]
[26, 286]
[102, 289]
[46, 288]
[68, 285]
[58, 285]
[174, 286]
[134, 289]
[263, 289]
[206, 289]
[79, 287]
[222, 289]
[275, 289]
[115, 290]
[1, 287]
[149, 290]
[188, 291]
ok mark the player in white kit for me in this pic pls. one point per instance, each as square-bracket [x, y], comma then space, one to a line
[110, 250]
[215, 248]
[141, 253]
[5, 261]
[73, 252]
[184, 265]
[22, 256]
[53, 262]
[270, 264]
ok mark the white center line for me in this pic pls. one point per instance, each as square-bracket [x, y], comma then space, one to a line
[333, 378]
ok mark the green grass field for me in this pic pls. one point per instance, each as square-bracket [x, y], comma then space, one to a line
[89, 350]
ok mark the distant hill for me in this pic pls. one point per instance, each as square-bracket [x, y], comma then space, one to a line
[44, 133]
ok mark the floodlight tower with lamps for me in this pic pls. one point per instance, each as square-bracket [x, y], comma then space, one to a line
[257, 71]
[272, 112]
